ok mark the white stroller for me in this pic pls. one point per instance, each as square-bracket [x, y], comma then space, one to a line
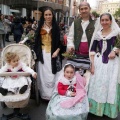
[17, 101]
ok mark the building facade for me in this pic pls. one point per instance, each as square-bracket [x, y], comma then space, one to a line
[100, 5]
[106, 6]
[57, 5]
[74, 11]
[111, 7]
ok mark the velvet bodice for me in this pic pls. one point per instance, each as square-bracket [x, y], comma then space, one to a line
[46, 40]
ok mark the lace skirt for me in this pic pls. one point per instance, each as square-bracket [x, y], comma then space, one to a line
[104, 87]
[56, 112]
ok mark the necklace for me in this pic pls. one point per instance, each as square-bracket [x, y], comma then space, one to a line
[49, 26]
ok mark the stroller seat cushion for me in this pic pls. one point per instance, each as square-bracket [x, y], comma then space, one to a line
[16, 97]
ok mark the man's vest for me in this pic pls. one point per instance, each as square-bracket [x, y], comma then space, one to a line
[78, 32]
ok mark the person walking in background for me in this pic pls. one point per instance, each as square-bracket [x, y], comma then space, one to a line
[34, 25]
[28, 27]
[104, 88]
[7, 25]
[47, 48]
[17, 29]
[2, 32]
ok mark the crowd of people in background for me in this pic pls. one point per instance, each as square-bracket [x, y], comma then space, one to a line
[17, 26]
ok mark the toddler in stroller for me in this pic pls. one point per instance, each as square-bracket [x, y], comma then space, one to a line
[15, 83]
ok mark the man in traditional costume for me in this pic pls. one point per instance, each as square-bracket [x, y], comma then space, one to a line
[79, 38]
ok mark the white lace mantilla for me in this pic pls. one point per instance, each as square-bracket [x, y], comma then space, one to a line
[103, 83]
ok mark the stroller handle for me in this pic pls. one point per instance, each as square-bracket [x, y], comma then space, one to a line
[4, 74]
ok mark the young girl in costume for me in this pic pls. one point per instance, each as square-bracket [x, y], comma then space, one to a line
[67, 83]
[69, 100]
[15, 84]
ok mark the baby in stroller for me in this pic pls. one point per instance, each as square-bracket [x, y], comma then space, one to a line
[69, 101]
[15, 84]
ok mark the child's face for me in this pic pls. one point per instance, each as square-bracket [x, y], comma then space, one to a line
[14, 62]
[69, 73]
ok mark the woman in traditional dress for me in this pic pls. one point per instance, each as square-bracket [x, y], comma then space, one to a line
[104, 88]
[47, 47]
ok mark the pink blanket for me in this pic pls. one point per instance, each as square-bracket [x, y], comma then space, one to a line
[80, 93]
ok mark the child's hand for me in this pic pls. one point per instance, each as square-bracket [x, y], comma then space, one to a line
[73, 94]
[34, 75]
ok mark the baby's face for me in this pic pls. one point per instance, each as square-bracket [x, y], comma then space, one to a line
[14, 62]
[69, 73]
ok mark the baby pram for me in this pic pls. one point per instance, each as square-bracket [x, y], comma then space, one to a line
[17, 101]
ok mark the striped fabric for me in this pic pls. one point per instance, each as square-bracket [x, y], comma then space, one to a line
[81, 62]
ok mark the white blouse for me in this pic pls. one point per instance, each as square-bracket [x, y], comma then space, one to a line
[70, 37]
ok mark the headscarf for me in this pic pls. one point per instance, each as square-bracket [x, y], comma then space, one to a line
[98, 27]
[61, 75]
[60, 78]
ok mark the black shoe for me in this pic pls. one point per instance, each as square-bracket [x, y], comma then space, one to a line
[23, 89]
[3, 91]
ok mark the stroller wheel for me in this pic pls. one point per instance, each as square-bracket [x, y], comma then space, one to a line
[3, 105]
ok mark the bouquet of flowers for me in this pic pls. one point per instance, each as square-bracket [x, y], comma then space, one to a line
[117, 43]
[29, 39]
[69, 55]
[31, 35]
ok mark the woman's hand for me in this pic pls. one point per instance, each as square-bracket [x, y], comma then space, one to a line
[55, 54]
[92, 70]
[112, 55]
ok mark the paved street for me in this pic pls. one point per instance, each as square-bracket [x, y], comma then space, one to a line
[38, 112]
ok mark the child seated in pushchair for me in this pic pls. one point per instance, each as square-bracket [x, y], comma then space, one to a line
[69, 101]
[15, 84]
